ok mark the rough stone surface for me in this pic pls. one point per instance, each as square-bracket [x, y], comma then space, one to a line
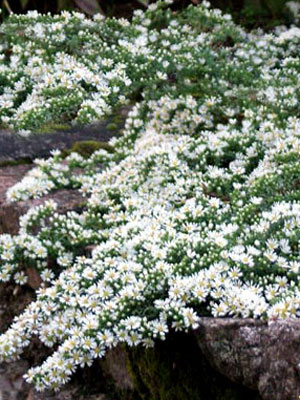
[15, 147]
[11, 212]
[11, 381]
[13, 386]
[9, 176]
[262, 356]
[115, 366]
[176, 369]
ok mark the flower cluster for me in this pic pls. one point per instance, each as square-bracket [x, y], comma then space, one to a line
[74, 69]
[197, 210]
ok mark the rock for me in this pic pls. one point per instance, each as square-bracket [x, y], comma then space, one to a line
[176, 369]
[34, 278]
[114, 366]
[224, 358]
[259, 355]
[12, 385]
[9, 176]
[15, 147]
[11, 212]
[13, 300]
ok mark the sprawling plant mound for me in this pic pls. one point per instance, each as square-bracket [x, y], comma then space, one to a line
[197, 210]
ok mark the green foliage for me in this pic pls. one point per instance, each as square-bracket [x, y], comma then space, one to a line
[264, 13]
[53, 127]
[256, 13]
[20, 161]
[88, 147]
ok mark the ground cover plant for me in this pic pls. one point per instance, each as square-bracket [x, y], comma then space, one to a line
[197, 209]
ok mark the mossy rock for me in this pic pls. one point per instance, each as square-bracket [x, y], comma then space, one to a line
[112, 126]
[51, 127]
[87, 147]
[12, 163]
[177, 370]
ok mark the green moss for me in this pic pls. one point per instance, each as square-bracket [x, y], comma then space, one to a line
[88, 147]
[118, 119]
[177, 370]
[12, 163]
[51, 127]
[116, 122]
[82, 205]
[112, 126]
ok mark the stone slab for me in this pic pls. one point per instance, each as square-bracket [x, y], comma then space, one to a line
[14, 146]
[261, 355]
[11, 212]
